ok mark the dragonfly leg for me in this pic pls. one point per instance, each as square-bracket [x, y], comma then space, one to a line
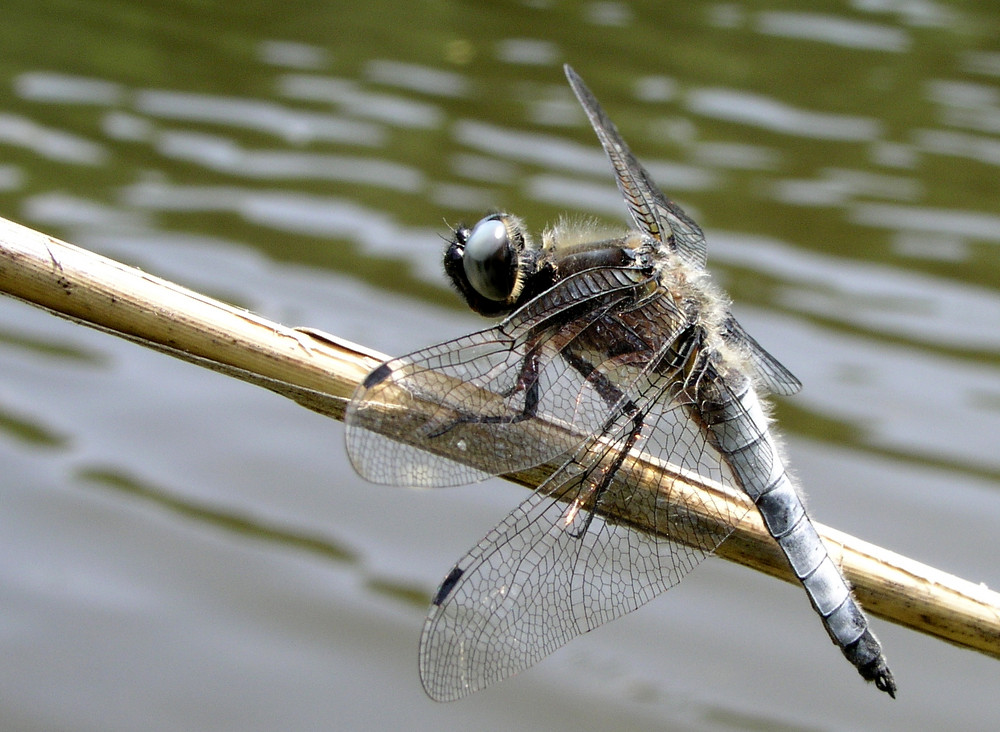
[527, 382]
[613, 396]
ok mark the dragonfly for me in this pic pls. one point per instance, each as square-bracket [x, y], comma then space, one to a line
[605, 348]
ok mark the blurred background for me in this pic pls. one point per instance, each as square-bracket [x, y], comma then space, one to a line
[182, 551]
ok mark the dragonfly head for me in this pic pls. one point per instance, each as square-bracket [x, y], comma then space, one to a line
[490, 263]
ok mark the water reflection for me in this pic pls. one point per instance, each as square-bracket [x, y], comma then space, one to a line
[927, 310]
[833, 29]
[974, 225]
[223, 155]
[293, 55]
[294, 125]
[55, 144]
[349, 96]
[837, 186]
[527, 51]
[980, 62]
[54, 88]
[757, 110]
[974, 106]
[323, 216]
[417, 78]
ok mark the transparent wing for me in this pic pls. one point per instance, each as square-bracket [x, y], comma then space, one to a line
[770, 372]
[551, 570]
[660, 217]
[651, 211]
[502, 399]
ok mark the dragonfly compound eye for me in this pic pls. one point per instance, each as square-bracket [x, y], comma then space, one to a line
[490, 262]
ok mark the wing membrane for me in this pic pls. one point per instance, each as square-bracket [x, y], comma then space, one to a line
[771, 373]
[492, 402]
[551, 570]
[651, 211]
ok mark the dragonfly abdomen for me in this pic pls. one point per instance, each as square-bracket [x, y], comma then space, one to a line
[740, 432]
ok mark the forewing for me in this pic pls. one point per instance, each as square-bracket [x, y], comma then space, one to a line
[770, 372]
[551, 570]
[651, 211]
[493, 402]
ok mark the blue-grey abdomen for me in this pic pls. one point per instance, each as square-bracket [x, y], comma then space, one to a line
[739, 430]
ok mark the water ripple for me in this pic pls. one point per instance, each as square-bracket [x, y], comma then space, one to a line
[328, 217]
[291, 124]
[348, 95]
[874, 386]
[48, 142]
[221, 154]
[527, 51]
[959, 144]
[971, 224]
[293, 55]
[837, 186]
[981, 62]
[756, 110]
[921, 308]
[423, 79]
[832, 29]
[550, 152]
[44, 86]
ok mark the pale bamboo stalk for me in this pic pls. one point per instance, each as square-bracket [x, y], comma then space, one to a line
[321, 372]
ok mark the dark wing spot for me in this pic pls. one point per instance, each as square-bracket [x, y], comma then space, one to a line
[377, 376]
[448, 585]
